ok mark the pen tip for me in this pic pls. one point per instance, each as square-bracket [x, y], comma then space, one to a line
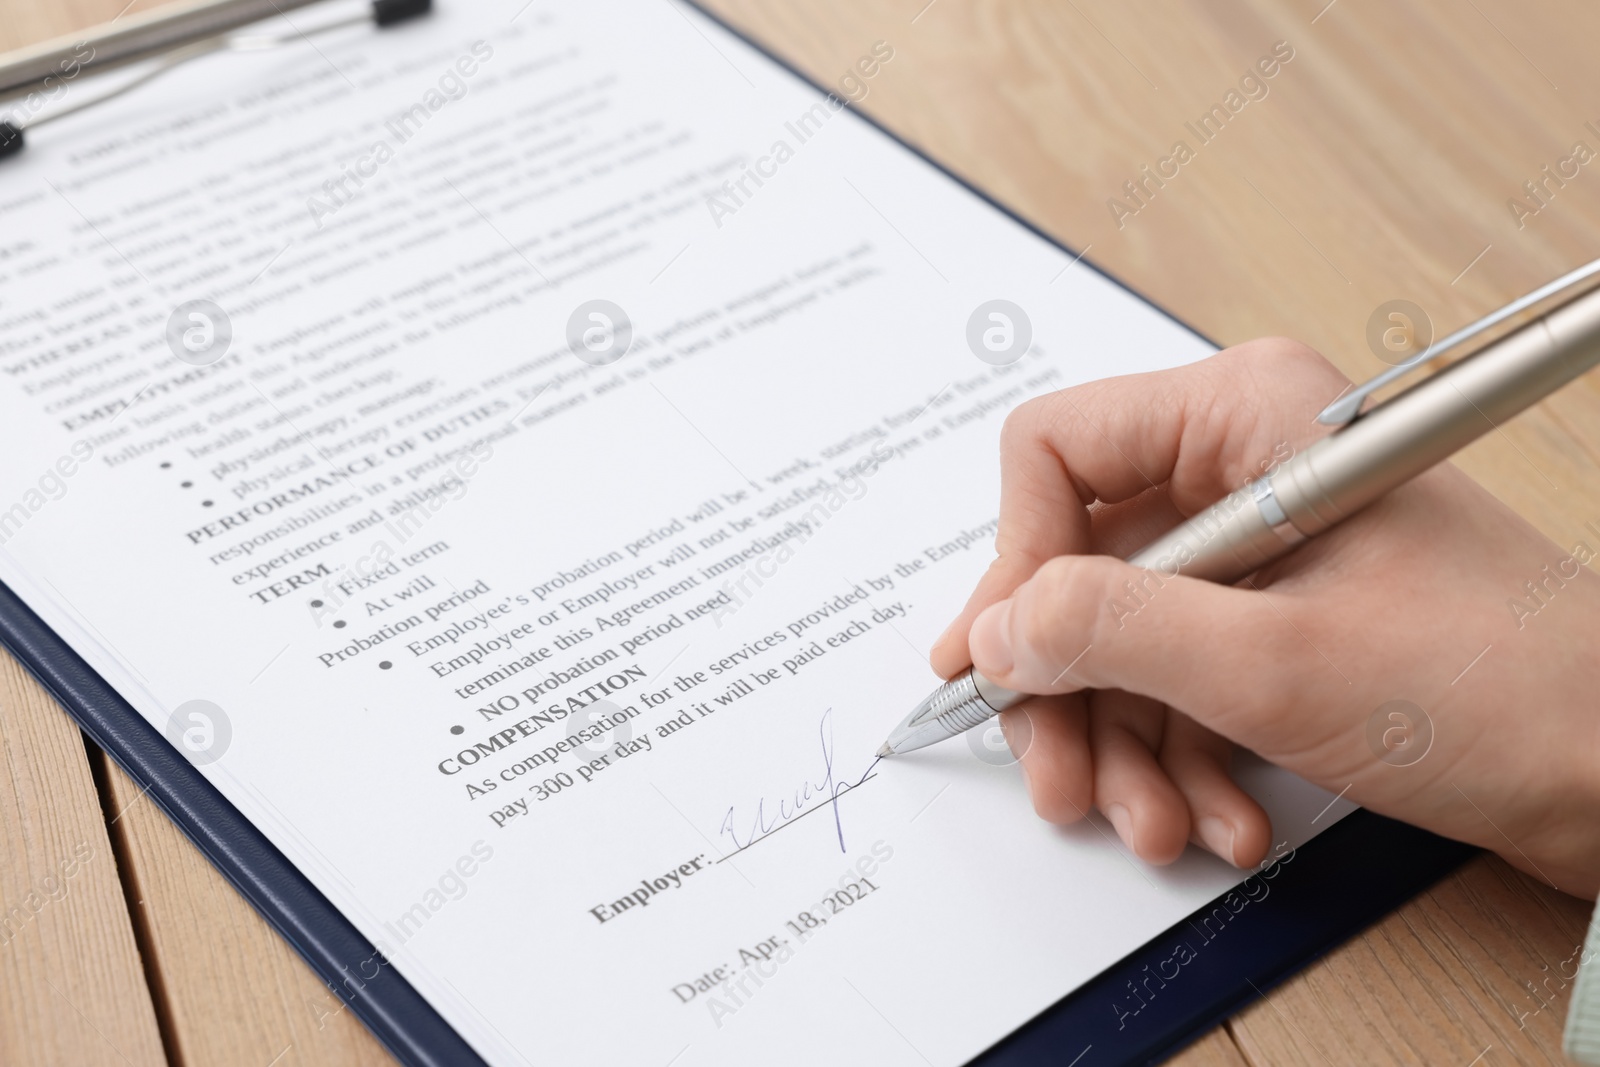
[884, 750]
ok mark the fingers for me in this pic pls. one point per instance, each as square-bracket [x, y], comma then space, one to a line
[1159, 778]
[1223, 818]
[949, 654]
[1043, 513]
[1206, 428]
[1050, 738]
[1130, 789]
[1227, 656]
[1200, 430]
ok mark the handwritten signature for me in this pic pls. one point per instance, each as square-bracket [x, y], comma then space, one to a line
[807, 797]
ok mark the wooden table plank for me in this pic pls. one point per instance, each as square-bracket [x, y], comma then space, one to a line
[232, 990]
[1215, 1049]
[1377, 167]
[71, 986]
[1480, 966]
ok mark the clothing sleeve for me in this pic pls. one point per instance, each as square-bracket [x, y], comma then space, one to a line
[1583, 1014]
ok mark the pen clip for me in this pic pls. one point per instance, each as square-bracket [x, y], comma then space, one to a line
[1348, 405]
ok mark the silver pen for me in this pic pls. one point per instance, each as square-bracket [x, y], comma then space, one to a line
[1337, 476]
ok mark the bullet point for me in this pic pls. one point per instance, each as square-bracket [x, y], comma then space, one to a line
[458, 729]
[385, 665]
[165, 466]
[205, 503]
[316, 603]
[338, 624]
[186, 485]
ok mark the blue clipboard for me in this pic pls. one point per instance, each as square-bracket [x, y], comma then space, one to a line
[1143, 1009]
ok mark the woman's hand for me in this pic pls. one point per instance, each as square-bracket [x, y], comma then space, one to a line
[1438, 595]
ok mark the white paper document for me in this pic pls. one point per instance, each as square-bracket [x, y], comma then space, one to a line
[523, 458]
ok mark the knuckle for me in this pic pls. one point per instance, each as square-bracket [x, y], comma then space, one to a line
[1275, 350]
[1022, 423]
[1037, 420]
[1280, 360]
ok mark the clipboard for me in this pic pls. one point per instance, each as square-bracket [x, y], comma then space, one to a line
[1141, 1010]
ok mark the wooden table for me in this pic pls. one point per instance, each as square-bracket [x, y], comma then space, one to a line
[1378, 167]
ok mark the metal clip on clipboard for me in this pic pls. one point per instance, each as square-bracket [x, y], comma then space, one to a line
[164, 38]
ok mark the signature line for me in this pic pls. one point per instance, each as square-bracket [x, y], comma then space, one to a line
[843, 789]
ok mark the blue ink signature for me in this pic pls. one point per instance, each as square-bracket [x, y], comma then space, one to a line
[807, 797]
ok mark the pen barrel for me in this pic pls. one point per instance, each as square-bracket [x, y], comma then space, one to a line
[1223, 543]
[1425, 425]
[1381, 450]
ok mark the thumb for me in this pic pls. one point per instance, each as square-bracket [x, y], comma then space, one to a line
[1228, 657]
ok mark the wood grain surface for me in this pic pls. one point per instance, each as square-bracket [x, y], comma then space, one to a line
[1378, 166]
[72, 989]
[230, 989]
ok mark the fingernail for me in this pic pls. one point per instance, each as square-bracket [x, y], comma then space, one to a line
[1218, 836]
[948, 630]
[1121, 822]
[990, 640]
